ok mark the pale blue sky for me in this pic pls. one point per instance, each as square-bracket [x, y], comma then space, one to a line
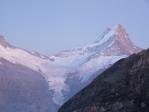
[49, 26]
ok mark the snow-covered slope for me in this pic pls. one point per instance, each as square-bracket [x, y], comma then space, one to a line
[80, 64]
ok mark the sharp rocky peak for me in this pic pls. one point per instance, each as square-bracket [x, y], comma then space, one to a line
[117, 41]
[118, 32]
[121, 33]
[120, 29]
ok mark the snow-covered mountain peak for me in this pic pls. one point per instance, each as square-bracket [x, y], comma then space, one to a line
[114, 41]
[121, 33]
[117, 32]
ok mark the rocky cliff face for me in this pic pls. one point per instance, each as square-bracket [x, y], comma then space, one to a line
[124, 87]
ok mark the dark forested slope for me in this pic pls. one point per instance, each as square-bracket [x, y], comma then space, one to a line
[124, 87]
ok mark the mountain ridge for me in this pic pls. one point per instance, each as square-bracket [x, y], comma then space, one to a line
[118, 34]
[69, 71]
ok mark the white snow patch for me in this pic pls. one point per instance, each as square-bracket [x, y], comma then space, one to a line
[95, 64]
[107, 37]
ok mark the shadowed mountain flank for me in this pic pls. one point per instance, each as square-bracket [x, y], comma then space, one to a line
[124, 87]
[22, 89]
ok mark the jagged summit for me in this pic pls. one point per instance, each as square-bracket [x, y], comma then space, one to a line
[117, 41]
[4, 42]
[122, 35]
[123, 41]
[117, 32]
